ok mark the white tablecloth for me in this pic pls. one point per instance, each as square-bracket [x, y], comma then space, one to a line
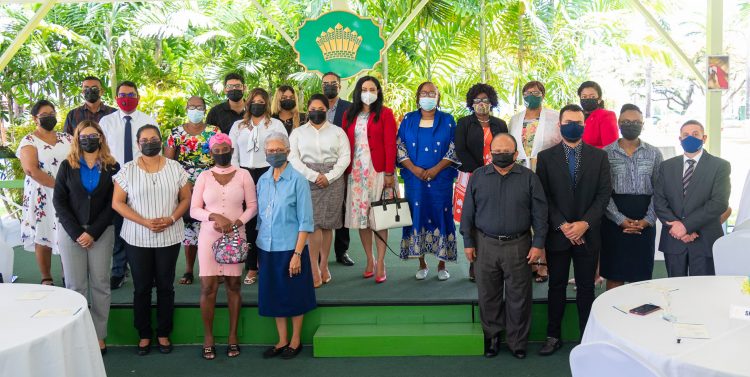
[51, 346]
[698, 300]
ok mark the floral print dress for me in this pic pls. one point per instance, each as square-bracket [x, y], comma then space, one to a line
[39, 221]
[194, 154]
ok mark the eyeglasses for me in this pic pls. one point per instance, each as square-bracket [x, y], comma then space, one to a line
[126, 95]
[428, 94]
[535, 93]
[92, 88]
[196, 107]
[233, 86]
[332, 84]
[154, 139]
[481, 100]
[274, 151]
[88, 137]
[632, 123]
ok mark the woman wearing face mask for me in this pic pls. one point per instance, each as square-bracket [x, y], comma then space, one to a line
[188, 145]
[371, 129]
[284, 108]
[536, 130]
[83, 202]
[248, 136]
[473, 137]
[320, 152]
[428, 159]
[601, 124]
[151, 194]
[285, 219]
[628, 232]
[218, 200]
[41, 153]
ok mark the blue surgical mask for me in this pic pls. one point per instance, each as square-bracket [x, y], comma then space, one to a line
[195, 116]
[276, 160]
[691, 144]
[572, 131]
[427, 103]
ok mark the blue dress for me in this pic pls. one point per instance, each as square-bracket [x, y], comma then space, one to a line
[431, 203]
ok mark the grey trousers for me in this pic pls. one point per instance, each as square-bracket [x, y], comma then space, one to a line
[686, 264]
[88, 271]
[501, 268]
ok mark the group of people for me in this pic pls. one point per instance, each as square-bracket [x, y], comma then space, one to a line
[111, 191]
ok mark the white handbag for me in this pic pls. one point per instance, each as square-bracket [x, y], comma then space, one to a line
[390, 213]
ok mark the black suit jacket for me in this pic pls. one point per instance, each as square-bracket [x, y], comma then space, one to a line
[700, 209]
[587, 202]
[469, 140]
[341, 107]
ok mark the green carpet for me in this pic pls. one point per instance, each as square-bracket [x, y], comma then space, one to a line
[186, 361]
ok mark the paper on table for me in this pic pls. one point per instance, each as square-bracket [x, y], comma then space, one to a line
[691, 330]
[57, 312]
[33, 295]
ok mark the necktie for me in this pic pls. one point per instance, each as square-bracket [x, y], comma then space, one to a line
[572, 165]
[688, 175]
[128, 139]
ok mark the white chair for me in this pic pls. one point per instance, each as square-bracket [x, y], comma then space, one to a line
[731, 253]
[599, 359]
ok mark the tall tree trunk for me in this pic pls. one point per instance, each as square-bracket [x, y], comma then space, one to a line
[649, 71]
[111, 52]
[60, 94]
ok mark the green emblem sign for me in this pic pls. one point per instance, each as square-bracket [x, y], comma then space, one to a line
[340, 42]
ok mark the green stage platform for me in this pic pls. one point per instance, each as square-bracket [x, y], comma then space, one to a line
[355, 316]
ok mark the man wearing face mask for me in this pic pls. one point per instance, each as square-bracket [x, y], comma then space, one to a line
[337, 106]
[225, 114]
[692, 192]
[120, 130]
[577, 182]
[628, 233]
[504, 201]
[92, 109]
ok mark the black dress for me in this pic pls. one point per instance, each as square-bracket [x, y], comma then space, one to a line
[628, 257]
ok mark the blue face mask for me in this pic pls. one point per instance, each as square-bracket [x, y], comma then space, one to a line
[572, 131]
[427, 103]
[195, 116]
[276, 160]
[691, 144]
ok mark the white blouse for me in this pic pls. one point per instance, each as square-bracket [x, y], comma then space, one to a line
[152, 195]
[249, 142]
[329, 144]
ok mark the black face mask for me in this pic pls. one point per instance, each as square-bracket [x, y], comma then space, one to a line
[257, 109]
[151, 149]
[317, 116]
[590, 104]
[48, 123]
[234, 95]
[89, 145]
[91, 95]
[223, 159]
[630, 131]
[330, 91]
[288, 104]
[503, 160]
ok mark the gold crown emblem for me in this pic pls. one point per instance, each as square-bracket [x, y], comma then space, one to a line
[339, 43]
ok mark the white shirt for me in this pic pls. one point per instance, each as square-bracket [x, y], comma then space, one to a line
[249, 142]
[152, 195]
[686, 158]
[325, 145]
[113, 126]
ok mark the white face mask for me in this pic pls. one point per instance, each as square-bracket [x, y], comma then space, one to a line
[369, 98]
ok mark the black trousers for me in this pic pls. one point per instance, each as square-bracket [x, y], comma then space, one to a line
[119, 257]
[341, 240]
[149, 265]
[251, 263]
[584, 269]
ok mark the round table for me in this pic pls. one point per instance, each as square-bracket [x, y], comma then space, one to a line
[694, 300]
[46, 331]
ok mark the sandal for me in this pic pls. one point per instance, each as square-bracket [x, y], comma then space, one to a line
[187, 278]
[541, 278]
[250, 280]
[233, 350]
[209, 352]
[51, 282]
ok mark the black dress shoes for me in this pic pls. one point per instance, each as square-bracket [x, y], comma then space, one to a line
[115, 282]
[345, 260]
[291, 353]
[273, 352]
[550, 346]
[519, 354]
[491, 346]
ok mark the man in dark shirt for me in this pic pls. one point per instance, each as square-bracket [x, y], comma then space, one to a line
[503, 202]
[226, 113]
[92, 109]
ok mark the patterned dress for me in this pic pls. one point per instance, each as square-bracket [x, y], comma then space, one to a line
[194, 155]
[527, 139]
[39, 222]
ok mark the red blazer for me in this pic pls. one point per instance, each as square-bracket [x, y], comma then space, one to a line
[381, 136]
[601, 128]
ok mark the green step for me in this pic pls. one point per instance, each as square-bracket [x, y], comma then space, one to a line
[423, 339]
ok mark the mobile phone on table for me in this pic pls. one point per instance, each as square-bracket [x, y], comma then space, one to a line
[645, 309]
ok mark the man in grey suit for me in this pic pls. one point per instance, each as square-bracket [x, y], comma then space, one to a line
[692, 192]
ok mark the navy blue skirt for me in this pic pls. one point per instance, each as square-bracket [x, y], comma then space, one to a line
[280, 295]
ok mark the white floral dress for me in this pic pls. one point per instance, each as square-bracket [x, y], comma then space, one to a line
[39, 221]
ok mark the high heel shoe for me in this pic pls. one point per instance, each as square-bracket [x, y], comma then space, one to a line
[379, 280]
[328, 279]
[367, 275]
